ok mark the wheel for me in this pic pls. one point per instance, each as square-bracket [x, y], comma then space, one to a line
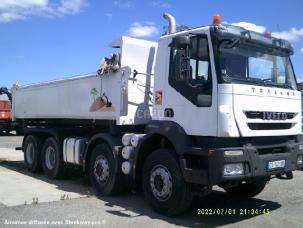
[102, 173]
[32, 153]
[52, 161]
[247, 190]
[163, 183]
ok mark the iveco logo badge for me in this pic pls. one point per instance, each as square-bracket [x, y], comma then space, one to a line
[274, 116]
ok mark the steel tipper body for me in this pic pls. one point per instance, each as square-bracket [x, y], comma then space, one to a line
[215, 105]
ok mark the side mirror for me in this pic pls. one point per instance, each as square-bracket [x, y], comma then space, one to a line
[182, 56]
[181, 42]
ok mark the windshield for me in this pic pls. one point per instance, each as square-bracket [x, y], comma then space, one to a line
[255, 65]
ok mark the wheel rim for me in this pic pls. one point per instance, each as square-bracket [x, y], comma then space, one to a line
[30, 151]
[161, 183]
[101, 169]
[50, 157]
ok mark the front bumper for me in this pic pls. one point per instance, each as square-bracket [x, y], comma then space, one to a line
[254, 159]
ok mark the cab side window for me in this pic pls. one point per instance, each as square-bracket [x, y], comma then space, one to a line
[199, 61]
[190, 71]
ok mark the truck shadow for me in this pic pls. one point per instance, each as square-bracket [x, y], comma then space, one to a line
[74, 181]
[216, 200]
[134, 205]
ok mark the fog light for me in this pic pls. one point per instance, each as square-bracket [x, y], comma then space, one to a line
[301, 147]
[300, 159]
[233, 153]
[233, 169]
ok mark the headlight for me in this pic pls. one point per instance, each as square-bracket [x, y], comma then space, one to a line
[300, 160]
[301, 147]
[233, 169]
[233, 153]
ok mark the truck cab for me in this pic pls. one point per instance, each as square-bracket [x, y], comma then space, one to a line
[226, 81]
[5, 111]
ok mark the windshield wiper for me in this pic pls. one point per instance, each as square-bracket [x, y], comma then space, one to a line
[264, 82]
[267, 82]
[230, 43]
[251, 80]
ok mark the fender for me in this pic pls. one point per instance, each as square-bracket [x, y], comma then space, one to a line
[172, 131]
[158, 129]
[110, 140]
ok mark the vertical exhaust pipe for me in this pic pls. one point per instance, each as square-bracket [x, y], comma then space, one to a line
[171, 23]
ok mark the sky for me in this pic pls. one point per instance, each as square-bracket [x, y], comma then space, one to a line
[49, 39]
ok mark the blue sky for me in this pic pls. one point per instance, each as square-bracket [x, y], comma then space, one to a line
[49, 39]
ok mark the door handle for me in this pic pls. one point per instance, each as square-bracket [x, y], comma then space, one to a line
[169, 112]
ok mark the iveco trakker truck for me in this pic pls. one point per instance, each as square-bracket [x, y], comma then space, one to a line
[214, 105]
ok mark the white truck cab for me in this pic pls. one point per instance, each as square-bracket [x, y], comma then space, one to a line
[233, 83]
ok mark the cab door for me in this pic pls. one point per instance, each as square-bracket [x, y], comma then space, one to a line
[190, 95]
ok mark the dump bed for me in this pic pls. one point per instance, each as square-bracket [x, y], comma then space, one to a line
[84, 97]
[120, 95]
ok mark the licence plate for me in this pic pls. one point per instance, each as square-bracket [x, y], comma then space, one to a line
[275, 164]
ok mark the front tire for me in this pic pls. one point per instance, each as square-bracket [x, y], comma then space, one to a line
[163, 183]
[102, 172]
[247, 190]
[52, 161]
[32, 153]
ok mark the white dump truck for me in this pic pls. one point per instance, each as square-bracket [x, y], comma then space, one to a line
[214, 105]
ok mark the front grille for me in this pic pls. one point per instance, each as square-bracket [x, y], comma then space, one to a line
[259, 115]
[273, 150]
[269, 126]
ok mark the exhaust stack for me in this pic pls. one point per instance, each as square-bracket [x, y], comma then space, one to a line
[171, 21]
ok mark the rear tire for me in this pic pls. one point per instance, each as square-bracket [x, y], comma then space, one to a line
[32, 153]
[102, 173]
[163, 183]
[52, 160]
[247, 190]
